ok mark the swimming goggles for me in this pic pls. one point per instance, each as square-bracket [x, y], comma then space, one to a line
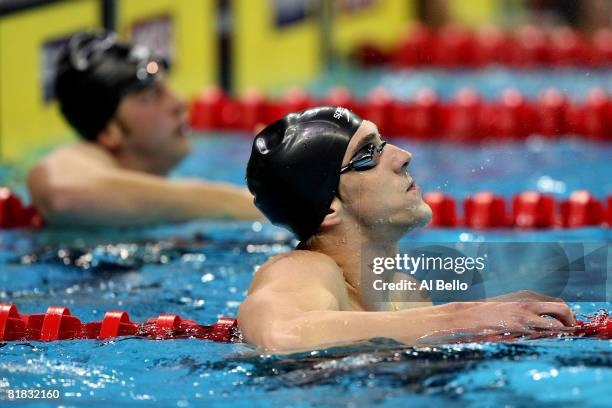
[86, 51]
[365, 159]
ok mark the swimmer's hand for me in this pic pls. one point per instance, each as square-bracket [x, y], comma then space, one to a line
[522, 313]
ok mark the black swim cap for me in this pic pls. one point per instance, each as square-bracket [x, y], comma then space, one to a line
[294, 169]
[94, 72]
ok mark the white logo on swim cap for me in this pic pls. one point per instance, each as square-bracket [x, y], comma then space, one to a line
[341, 111]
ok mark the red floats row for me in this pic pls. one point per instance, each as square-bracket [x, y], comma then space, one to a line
[599, 326]
[455, 46]
[482, 210]
[467, 118]
[529, 210]
[59, 324]
[13, 214]
[215, 110]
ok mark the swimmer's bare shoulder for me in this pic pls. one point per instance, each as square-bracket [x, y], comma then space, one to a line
[289, 285]
[66, 168]
[299, 269]
[84, 185]
[72, 160]
[69, 164]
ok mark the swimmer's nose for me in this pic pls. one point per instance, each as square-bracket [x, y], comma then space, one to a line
[401, 160]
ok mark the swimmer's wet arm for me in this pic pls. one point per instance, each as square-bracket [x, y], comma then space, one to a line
[312, 329]
[292, 306]
[116, 197]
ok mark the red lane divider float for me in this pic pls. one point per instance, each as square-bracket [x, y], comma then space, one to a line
[482, 210]
[13, 214]
[467, 118]
[529, 210]
[454, 46]
[599, 326]
[59, 324]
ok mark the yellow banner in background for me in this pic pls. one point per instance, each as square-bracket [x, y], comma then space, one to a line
[29, 119]
[379, 21]
[275, 43]
[279, 43]
[476, 12]
[185, 29]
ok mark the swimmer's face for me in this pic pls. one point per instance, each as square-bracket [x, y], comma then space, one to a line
[154, 127]
[385, 197]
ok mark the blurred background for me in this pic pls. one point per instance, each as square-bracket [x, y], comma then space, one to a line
[504, 104]
[248, 47]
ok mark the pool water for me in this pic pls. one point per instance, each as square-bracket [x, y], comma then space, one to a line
[201, 270]
[489, 82]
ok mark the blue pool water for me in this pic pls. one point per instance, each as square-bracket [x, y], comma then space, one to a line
[490, 82]
[201, 270]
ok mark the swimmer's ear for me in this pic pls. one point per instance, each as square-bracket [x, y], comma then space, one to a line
[110, 137]
[333, 217]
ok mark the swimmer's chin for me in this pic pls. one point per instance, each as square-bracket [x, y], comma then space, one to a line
[424, 215]
[428, 214]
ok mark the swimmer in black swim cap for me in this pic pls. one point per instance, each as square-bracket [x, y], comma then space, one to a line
[295, 168]
[330, 178]
[116, 95]
[95, 72]
[134, 125]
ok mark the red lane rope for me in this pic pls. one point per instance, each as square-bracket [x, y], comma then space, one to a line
[59, 324]
[468, 118]
[528, 210]
[599, 326]
[13, 214]
[482, 210]
[455, 46]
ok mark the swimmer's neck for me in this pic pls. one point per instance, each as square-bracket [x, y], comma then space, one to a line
[353, 253]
